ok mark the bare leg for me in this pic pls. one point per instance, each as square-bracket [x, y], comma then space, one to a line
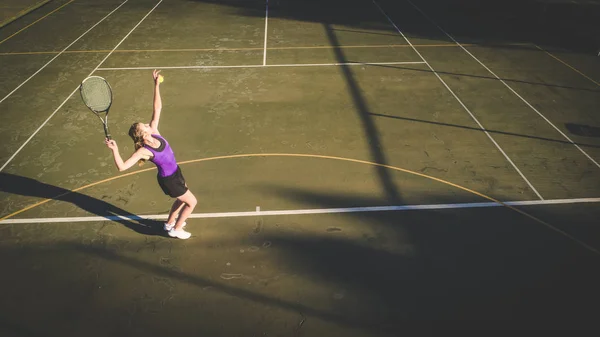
[175, 209]
[189, 202]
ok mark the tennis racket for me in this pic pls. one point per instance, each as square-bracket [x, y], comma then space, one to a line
[97, 96]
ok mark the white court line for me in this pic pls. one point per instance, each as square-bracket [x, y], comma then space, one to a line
[508, 86]
[266, 66]
[461, 103]
[77, 88]
[259, 212]
[266, 21]
[62, 51]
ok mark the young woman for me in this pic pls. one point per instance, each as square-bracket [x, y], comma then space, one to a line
[150, 145]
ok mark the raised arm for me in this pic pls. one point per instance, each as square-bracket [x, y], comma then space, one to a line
[157, 101]
[124, 165]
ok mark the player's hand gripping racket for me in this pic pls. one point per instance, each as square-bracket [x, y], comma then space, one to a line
[97, 95]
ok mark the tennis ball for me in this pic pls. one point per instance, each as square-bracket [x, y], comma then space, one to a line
[161, 78]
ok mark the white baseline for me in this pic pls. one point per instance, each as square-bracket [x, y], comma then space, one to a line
[259, 212]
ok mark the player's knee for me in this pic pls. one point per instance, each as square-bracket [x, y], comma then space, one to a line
[192, 201]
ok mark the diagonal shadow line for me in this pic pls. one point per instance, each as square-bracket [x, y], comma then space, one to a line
[488, 130]
[362, 110]
[473, 43]
[236, 292]
[523, 30]
[485, 77]
[19, 185]
[393, 33]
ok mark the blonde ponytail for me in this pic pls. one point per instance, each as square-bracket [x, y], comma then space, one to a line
[137, 136]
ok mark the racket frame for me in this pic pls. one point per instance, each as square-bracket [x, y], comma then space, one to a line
[97, 113]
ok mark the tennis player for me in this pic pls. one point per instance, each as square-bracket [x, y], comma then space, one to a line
[150, 145]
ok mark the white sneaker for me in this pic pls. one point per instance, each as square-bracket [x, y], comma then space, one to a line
[180, 234]
[169, 226]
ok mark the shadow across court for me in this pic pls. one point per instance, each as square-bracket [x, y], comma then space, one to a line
[362, 110]
[15, 184]
[555, 24]
[580, 130]
[463, 265]
[452, 267]
[583, 130]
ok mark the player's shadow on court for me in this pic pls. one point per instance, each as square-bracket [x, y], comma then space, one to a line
[20, 185]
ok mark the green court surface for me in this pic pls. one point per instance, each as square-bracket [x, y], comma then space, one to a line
[362, 168]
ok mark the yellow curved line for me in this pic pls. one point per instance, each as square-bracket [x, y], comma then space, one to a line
[252, 155]
[71, 191]
[568, 65]
[321, 157]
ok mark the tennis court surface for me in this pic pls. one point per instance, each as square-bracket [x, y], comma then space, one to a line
[362, 168]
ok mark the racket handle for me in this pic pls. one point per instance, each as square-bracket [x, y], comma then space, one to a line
[106, 133]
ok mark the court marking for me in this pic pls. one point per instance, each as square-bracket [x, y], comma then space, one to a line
[507, 86]
[33, 23]
[424, 61]
[220, 49]
[568, 65]
[300, 155]
[266, 22]
[54, 58]
[461, 103]
[77, 88]
[259, 212]
[264, 66]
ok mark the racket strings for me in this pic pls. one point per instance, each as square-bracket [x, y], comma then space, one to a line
[96, 94]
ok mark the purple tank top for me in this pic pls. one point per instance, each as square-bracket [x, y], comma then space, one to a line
[163, 157]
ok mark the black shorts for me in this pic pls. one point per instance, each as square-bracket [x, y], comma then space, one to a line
[173, 185]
